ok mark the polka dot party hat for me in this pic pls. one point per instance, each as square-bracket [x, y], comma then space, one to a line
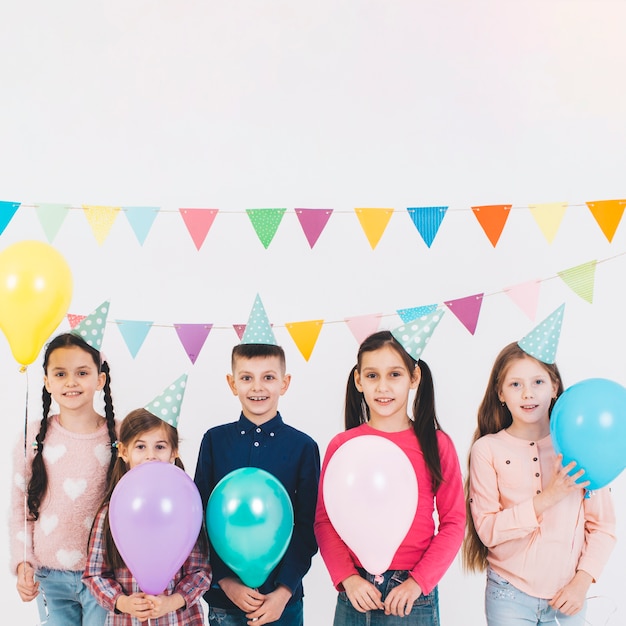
[167, 404]
[91, 328]
[258, 329]
[542, 342]
[416, 334]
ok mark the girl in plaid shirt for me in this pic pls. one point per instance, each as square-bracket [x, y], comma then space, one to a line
[144, 437]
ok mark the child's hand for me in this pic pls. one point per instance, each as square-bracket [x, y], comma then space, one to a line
[400, 599]
[137, 604]
[272, 607]
[246, 598]
[571, 599]
[561, 485]
[26, 585]
[164, 604]
[362, 594]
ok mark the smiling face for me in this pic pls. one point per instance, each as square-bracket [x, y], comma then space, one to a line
[528, 391]
[258, 382]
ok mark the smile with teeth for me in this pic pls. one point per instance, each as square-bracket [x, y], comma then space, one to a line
[258, 398]
[384, 400]
[72, 393]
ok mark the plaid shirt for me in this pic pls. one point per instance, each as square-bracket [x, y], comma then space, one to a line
[106, 585]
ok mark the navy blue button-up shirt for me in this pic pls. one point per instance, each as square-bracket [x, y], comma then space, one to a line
[293, 458]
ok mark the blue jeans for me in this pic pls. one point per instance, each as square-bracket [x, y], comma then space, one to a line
[505, 605]
[64, 599]
[293, 615]
[425, 611]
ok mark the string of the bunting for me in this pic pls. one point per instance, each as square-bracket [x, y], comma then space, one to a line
[580, 279]
[266, 221]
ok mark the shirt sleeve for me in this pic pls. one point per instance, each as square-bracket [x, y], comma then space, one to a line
[196, 573]
[450, 503]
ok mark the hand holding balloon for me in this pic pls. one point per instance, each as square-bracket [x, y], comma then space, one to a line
[565, 480]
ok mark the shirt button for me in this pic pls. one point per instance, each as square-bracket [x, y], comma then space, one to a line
[243, 432]
[535, 458]
[258, 430]
[256, 444]
[532, 443]
[538, 491]
[508, 462]
[271, 434]
[537, 474]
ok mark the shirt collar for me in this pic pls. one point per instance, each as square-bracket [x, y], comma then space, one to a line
[245, 425]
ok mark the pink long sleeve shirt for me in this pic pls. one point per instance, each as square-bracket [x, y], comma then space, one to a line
[537, 554]
[77, 465]
[426, 554]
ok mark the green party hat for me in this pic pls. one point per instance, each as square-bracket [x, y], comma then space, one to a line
[167, 404]
[258, 329]
[541, 342]
[414, 335]
[91, 328]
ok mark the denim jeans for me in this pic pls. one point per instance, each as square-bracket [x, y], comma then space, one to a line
[293, 615]
[64, 599]
[505, 605]
[425, 611]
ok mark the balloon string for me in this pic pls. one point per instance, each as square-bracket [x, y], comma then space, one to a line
[24, 370]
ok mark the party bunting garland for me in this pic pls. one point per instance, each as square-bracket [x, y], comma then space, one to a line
[266, 221]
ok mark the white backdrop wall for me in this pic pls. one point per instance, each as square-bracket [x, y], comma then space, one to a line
[327, 104]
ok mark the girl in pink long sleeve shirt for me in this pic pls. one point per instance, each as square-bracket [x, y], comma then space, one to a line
[376, 404]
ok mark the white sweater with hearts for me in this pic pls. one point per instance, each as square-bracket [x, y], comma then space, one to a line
[77, 465]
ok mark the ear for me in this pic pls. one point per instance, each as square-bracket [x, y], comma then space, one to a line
[357, 381]
[285, 384]
[46, 384]
[416, 378]
[230, 379]
[102, 378]
[122, 452]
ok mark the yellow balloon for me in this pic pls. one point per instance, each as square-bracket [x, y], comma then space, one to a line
[35, 292]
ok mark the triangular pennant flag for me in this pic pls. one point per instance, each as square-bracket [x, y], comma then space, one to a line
[198, 222]
[100, 219]
[167, 404]
[467, 310]
[427, 220]
[75, 319]
[374, 222]
[304, 335]
[542, 342]
[266, 223]
[608, 214]
[51, 218]
[192, 337]
[548, 217]
[7, 211]
[91, 327]
[526, 296]
[363, 325]
[313, 222]
[141, 219]
[580, 279]
[408, 315]
[258, 329]
[415, 335]
[492, 218]
[240, 329]
[134, 333]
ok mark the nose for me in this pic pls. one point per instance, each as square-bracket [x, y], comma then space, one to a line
[527, 392]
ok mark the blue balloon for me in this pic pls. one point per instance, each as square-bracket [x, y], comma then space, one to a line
[588, 425]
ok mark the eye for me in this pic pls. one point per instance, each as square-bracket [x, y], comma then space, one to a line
[539, 381]
[246, 378]
[270, 377]
[60, 374]
[515, 384]
[370, 375]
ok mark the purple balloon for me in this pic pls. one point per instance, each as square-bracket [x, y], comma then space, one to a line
[155, 516]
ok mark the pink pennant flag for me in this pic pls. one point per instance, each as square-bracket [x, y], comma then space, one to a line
[313, 222]
[192, 337]
[74, 320]
[363, 325]
[526, 296]
[240, 329]
[467, 310]
[198, 222]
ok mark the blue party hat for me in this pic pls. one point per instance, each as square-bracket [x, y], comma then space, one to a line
[541, 342]
[91, 328]
[167, 404]
[258, 329]
[416, 334]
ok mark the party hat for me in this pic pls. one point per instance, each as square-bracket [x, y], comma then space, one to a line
[167, 404]
[258, 329]
[541, 342]
[416, 334]
[91, 328]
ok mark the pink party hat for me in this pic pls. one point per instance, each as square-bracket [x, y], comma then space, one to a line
[91, 328]
[542, 342]
[258, 328]
[167, 404]
[416, 334]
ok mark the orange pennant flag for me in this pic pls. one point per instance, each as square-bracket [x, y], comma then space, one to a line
[492, 218]
[373, 223]
[305, 335]
[100, 219]
[608, 214]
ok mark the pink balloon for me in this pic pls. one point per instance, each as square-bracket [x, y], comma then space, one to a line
[155, 515]
[370, 493]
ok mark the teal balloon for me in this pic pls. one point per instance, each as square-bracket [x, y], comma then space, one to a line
[588, 425]
[249, 518]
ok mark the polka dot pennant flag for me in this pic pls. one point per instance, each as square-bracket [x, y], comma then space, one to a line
[167, 404]
[266, 223]
[416, 334]
[258, 329]
[542, 342]
[91, 327]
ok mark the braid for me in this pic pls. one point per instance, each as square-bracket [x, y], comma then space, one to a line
[38, 483]
[110, 416]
